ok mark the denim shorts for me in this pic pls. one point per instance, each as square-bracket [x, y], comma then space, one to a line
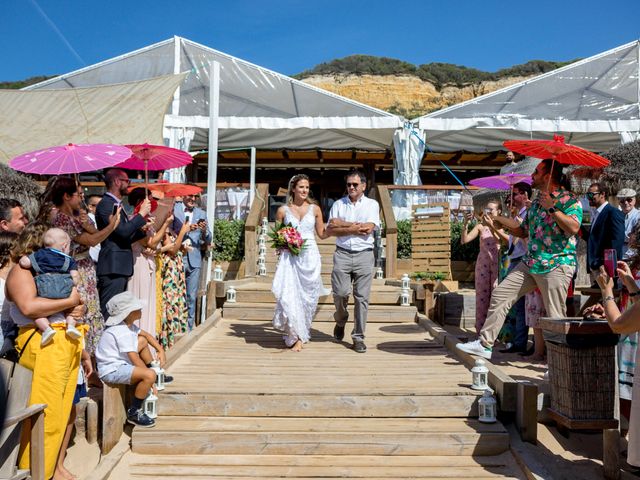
[122, 375]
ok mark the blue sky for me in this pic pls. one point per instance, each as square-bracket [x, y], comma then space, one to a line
[46, 37]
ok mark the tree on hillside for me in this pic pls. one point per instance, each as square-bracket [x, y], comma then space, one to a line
[361, 65]
[24, 83]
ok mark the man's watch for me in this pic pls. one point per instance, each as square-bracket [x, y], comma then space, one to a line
[552, 210]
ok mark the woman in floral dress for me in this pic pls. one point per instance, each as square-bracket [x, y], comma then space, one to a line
[66, 195]
[174, 288]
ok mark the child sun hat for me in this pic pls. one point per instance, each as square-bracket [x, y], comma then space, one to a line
[120, 306]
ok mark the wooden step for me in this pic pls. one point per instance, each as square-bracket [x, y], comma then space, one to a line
[261, 293]
[322, 466]
[319, 436]
[264, 311]
[438, 404]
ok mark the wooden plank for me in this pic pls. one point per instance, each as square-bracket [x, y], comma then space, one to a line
[611, 453]
[92, 421]
[36, 452]
[113, 415]
[527, 412]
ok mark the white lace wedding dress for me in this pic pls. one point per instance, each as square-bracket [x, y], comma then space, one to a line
[297, 283]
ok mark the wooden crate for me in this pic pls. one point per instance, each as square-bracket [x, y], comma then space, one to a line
[431, 239]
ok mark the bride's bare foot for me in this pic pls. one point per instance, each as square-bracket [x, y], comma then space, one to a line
[297, 347]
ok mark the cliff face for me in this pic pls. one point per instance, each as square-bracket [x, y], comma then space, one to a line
[405, 95]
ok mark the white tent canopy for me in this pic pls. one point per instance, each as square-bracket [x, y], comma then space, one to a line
[121, 113]
[257, 107]
[594, 102]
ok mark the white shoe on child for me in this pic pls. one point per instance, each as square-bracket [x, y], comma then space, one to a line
[72, 332]
[47, 336]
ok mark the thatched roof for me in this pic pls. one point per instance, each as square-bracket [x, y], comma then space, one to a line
[20, 187]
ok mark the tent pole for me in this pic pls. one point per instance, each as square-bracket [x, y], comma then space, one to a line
[212, 164]
[252, 177]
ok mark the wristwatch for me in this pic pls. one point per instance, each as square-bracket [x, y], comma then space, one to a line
[552, 210]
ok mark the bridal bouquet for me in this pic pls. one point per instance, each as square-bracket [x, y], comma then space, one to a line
[285, 237]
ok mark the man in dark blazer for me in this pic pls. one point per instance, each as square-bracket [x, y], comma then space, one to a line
[115, 262]
[199, 237]
[607, 228]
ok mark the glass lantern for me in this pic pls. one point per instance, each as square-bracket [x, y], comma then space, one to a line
[231, 294]
[404, 297]
[262, 270]
[155, 366]
[487, 408]
[150, 405]
[262, 241]
[479, 376]
[217, 273]
[405, 281]
[262, 250]
[379, 274]
[265, 224]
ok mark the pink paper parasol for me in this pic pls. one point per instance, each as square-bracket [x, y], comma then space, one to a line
[501, 182]
[70, 158]
[155, 157]
[170, 189]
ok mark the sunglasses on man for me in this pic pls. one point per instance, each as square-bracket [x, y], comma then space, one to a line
[626, 200]
[593, 194]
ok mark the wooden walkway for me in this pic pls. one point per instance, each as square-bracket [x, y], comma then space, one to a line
[242, 406]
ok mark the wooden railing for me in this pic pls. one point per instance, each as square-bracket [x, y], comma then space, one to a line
[391, 230]
[257, 211]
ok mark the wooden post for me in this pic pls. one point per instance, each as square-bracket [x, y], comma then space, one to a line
[81, 417]
[391, 230]
[611, 453]
[257, 211]
[211, 298]
[36, 455]
[527, 412]
[92, 421]
[113, 415]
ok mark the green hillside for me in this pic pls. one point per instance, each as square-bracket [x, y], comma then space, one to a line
[440, 74]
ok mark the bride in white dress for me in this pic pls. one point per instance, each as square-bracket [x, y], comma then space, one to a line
[297, 283]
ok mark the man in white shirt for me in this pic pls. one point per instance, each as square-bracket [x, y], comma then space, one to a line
[627, 200]
[352, 220]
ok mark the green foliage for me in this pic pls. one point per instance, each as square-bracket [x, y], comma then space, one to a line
[440, 74]
[228, 240]
[24, 83]
[404, 238]
[429, 275]
[361, 65]
[468, 252]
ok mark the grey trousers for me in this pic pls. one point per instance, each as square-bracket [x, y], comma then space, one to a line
[352, 268]
[553, 286]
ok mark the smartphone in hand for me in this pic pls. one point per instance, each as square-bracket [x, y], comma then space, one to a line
[115, 209]
[611, 262]
[186, 219]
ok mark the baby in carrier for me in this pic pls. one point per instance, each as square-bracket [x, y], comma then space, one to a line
[56, 273]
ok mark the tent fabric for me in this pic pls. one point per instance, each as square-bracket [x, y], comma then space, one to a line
[409, 150]
[252, 99]
[593, 102]
[119, 114]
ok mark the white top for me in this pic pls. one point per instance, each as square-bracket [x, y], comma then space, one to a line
[520, 247]
[365, 210]
[94, 252]
[597, 212]
[21, 321]
[114, 345]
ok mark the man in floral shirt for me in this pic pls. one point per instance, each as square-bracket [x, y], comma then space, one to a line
[551, 226]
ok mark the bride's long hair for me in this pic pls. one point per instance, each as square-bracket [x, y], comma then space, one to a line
[292, 185]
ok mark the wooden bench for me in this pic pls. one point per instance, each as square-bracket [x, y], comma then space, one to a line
[17, 385]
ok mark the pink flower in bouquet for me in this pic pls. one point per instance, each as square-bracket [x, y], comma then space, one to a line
[285, 237]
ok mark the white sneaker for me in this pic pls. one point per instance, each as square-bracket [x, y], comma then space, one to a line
[476, 348]
[72, 332]
[47, 336]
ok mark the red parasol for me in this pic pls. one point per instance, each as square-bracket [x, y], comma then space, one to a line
[557, 150]
[170, 189]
